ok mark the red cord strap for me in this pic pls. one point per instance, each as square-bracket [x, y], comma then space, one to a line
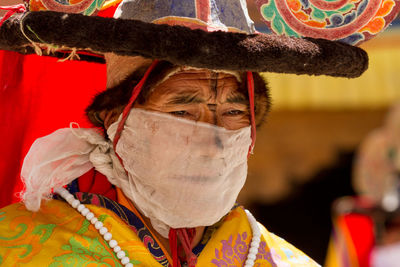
[186, 236]
[135, 93]
[250, 88]
[173, 244]
[20, 8]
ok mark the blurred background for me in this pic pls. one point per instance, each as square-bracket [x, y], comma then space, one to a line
[305, 151]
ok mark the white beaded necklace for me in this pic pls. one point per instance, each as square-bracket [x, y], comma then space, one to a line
[125, 261]
[255, 241]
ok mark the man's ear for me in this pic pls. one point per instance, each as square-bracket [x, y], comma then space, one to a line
[262, 101]
[109, 101]
[110, 117]
[104, 118]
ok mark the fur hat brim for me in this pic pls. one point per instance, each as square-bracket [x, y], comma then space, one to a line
[181, 45]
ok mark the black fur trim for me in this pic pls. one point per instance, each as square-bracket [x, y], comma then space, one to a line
[185, 47]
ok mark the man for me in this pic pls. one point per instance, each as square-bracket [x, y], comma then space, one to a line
[216, 98]
[159, 188]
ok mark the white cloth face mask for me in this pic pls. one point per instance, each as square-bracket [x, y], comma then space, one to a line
[181, 173]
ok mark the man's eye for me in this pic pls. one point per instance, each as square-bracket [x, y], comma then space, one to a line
[179, 113]
[234, 112]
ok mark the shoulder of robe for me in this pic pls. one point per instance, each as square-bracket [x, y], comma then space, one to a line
[230, 243]
[282, 252]
[58, 235]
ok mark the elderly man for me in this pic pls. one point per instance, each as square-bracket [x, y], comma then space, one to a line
[159, 186]
[181, 163]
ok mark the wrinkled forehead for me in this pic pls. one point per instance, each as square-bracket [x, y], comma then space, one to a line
[119, 68]
[192, 79]
[196, 73]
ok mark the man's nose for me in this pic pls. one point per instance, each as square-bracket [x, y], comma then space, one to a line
[212, 146]
[212, 143]
[209, 115]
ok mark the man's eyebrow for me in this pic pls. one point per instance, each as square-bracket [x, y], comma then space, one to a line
[238, 99]
[185, 99]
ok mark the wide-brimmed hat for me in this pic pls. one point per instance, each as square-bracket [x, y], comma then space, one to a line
[200, 33]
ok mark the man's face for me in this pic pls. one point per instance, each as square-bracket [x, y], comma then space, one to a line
[201, 95]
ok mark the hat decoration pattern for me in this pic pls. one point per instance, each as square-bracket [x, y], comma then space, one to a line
[208, 15]
[85, 7]
[352, 22]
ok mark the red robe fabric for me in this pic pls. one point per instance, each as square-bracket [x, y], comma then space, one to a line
[37, 96]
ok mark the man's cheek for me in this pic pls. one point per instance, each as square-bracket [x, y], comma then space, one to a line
[235, 122]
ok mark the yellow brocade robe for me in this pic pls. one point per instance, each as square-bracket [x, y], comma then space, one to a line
[58, 235]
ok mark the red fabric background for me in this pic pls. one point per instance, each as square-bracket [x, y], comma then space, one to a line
[37, 96]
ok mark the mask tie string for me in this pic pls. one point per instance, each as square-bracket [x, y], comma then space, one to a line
[135, 93]
[20, 8]
[173, 244]
[250, 89]
[185, 236]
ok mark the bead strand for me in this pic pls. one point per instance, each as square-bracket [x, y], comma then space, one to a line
[82, 209]
[255, 241]
[125, 261]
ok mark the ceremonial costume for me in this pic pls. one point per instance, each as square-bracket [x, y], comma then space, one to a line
[180, 174]
[59, 236]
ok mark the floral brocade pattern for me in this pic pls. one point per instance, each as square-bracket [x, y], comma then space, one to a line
[79, 254]
[234, 253]
[52, 237]
[130, 219]
[232, 249]
[57, 235]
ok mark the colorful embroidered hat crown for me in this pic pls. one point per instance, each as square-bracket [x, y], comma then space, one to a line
[208, 48]
[209, 15]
